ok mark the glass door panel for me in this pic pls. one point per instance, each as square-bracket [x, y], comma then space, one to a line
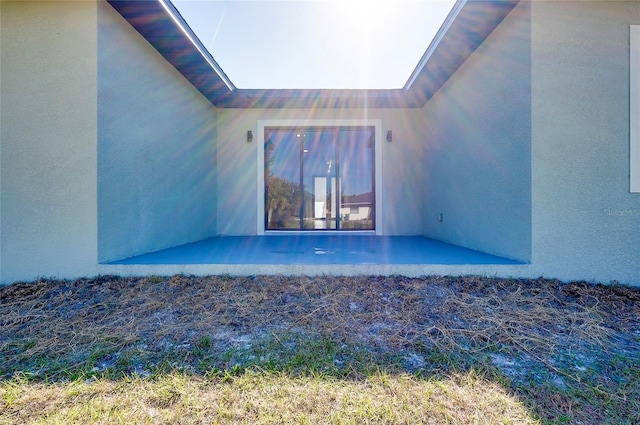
[319, 178]
[282, 180]
[356, 178]
[319, 172]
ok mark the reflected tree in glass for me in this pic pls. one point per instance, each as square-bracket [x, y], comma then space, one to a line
[282, 200]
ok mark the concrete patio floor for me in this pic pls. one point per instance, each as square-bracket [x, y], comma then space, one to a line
[317, 250]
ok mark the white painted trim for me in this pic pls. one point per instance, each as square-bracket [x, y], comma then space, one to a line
[193, 38]
[444, 29]
[377, 124]
[634, 108]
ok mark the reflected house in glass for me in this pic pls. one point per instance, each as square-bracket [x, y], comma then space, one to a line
[358, 208]
[124, 149]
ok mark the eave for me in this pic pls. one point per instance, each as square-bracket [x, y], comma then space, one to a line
[466, 28]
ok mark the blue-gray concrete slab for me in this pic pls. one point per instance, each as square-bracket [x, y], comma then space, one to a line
[317, 250]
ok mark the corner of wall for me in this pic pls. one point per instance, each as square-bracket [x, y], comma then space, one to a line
[477, 149]
[157, 144]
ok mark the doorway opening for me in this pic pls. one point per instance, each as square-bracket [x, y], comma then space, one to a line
[319, 178]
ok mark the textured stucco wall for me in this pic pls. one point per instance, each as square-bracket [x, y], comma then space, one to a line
[401, 165]
[48, 133]
[0, 142]
[156, 148]
[586, 224]
[542, 173]
[477, 154]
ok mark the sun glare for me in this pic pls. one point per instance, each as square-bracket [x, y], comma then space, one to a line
[364, 16]
[348, 44]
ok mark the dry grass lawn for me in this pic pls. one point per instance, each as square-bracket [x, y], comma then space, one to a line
[274, 349]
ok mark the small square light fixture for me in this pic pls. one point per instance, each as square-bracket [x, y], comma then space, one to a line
[389, 136]
[249, 136]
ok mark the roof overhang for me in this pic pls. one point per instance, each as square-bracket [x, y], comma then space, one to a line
[467, 26]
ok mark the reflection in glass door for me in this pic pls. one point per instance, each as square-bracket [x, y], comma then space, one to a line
[319, 178]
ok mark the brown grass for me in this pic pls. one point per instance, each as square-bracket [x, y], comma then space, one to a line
[541, 339]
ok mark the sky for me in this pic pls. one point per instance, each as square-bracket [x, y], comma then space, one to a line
[322, 44]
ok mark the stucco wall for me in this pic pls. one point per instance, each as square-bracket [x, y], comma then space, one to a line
[586, 224]
[401, 165]
[0, 142]
[477, 151]
[156, 148]
[111, 155]
[48, 133]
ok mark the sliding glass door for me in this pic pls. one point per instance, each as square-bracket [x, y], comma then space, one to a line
[319, 178]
